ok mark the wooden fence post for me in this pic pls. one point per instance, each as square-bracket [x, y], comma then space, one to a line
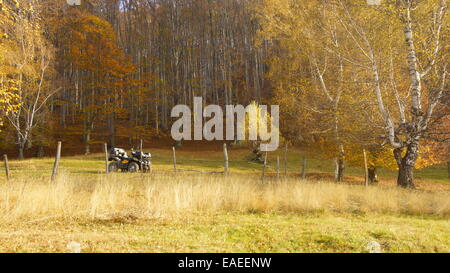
[5, 159]
[174, 159]
[57, 159]
[264, 167]
[150, 165]
[304, 167]
[225, 154]
[366, 171]
[141, 153]
[285, 159]
[105, 148]
[278, 167]
[448, 169]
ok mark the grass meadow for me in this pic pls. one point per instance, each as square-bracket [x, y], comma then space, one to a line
[165, 211]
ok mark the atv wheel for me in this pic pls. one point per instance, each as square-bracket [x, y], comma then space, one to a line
[145, 168]
[133, 167]
[113, 167]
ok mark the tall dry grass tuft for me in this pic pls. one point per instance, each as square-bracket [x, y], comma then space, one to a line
[168, 195]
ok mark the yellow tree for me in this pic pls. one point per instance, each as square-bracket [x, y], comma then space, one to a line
[28, 74]
[413, 74]
[310, 81]
[369, 41]
[8, 85]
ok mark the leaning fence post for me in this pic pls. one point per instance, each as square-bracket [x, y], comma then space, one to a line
[225, 163]
[366, 171]
[141, 154]
[150, 165]
[56, 165]
[264, 167]
[448, 169]
[304, 167]
[105, 148]
[285, 159]
[141, 147]
[174, 159]
[5, 159]
[278, 167]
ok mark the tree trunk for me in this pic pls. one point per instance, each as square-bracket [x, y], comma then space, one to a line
[406, 164]
[29, 144]
[339, 165]
[406, 177]
[89, 126]
[372, 175]
[21, 145]
[339, 169]
[40, 152]
[112, 130]
[87, 140]
[21, 148]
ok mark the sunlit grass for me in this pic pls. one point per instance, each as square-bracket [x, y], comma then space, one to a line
[190, 212]
[165, 194]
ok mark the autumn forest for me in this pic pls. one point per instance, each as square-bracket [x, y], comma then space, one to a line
[347, 76]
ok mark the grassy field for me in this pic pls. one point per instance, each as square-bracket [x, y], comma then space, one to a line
[191, 212]
[232, 232]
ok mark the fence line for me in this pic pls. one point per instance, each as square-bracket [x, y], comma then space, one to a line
[176, 168]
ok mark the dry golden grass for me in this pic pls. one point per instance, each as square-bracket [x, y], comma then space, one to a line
[190, 212]
[169, 195]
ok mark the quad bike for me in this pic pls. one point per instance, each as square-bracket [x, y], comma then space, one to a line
[121, 161]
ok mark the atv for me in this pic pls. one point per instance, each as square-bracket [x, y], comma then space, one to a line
[139, 161]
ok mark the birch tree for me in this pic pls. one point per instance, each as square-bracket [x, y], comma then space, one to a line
[303, 69]
[31, 64]
[417, 30]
